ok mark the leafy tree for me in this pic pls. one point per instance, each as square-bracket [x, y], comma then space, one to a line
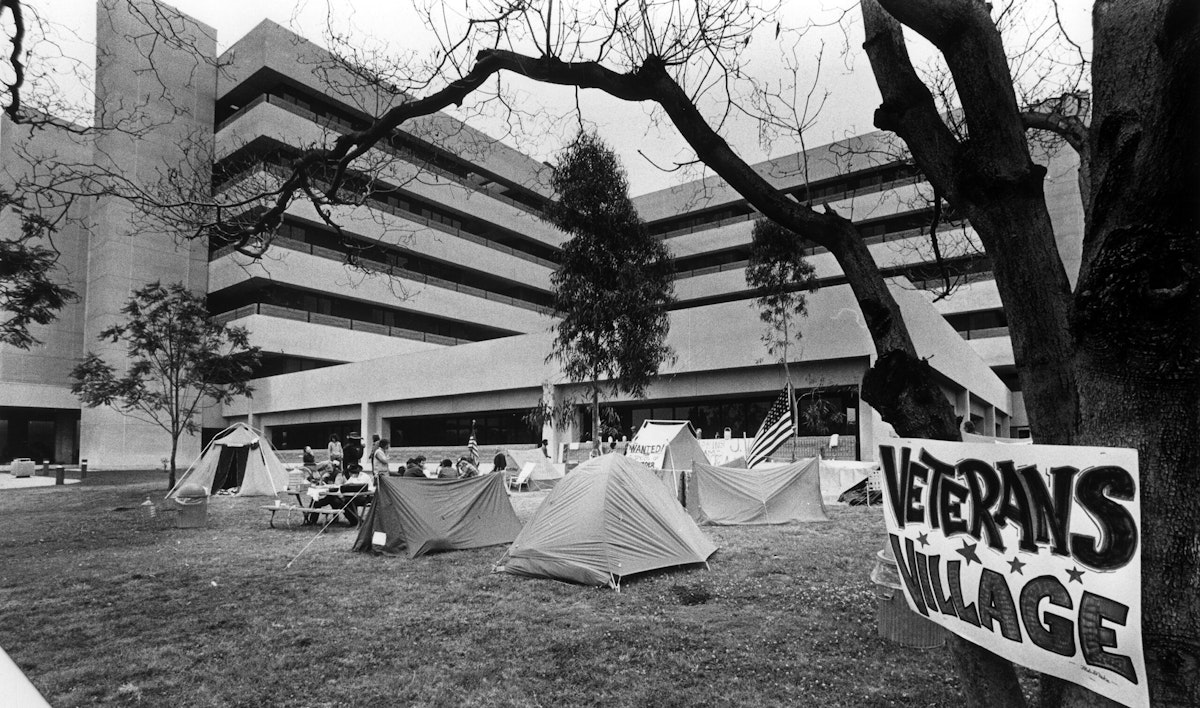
[779, 272]
[28, 293]
[615, 282]
[180, 363]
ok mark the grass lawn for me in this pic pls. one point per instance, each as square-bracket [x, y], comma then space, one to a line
[106, 607]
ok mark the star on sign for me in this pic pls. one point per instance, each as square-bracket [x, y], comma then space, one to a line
[924, 539]
[1015, 565]
[968, 552]
[1076, 575]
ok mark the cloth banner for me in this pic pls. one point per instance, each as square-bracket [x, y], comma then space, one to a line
[722, 450]
[1032, 551]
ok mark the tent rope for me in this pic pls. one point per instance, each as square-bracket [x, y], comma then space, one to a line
[332, 518]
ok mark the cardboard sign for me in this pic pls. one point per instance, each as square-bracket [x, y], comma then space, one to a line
[1032, 551]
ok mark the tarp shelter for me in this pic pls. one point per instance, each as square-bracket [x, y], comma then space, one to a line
[609, 519]
[238, 457]
[773, 495]
[426, 515]
[666, 445]
[545, 473]
[837, 476]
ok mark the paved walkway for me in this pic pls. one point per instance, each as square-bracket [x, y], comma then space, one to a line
[7, 481]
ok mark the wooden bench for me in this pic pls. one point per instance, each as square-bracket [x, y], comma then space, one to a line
[323, 511]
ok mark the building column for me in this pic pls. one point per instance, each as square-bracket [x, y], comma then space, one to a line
[367, 412]
[989, 421]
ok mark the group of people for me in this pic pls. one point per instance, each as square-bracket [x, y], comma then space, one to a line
[447, 469]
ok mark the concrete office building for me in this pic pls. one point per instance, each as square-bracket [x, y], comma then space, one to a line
[458, 331]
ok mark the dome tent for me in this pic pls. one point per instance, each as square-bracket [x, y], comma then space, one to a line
[608, 519]
[238, 457]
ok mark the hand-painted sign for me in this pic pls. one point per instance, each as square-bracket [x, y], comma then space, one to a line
[1031, 551]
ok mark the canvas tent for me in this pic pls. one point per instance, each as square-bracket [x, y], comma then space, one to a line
[544, 474]
[666, 445]
[773, 495]
[610, 518]
[238, 457]
[426, 515]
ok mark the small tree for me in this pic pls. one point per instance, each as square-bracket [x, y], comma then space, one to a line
[28, 294]
[780, 274]
[180, 362]
[615, 282]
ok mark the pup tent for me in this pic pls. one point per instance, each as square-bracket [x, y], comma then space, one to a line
[544, 474]
[238, 457]
[666, 445]
[608, 519]
[427, 515]
[772, 495]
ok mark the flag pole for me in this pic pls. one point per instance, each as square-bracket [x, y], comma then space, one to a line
[792, 403]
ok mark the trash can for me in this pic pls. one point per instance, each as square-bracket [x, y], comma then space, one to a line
[192, 500]
[897, 622]
[23, 467]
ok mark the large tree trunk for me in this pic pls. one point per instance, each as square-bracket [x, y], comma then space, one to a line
[1137, 310]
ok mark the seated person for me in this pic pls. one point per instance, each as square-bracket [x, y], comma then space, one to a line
[466, 469]
[355, 480]
[447, 470]
[413, 469]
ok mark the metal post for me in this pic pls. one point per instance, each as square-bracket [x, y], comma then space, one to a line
[45, 468]
[59, 473]
[83, 469]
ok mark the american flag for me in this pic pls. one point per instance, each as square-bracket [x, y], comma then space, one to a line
[473, 446]
[776, 428]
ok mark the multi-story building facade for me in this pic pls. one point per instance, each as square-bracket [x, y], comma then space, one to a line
[442, 323]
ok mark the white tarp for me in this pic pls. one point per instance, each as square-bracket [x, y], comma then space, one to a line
[839, 475]
[18, 691]
[1032, 551]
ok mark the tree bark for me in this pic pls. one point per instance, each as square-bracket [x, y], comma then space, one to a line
[1137, 310]
[174, 449]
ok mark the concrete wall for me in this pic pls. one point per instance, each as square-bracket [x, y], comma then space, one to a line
[324, 275]
[272, 46]
[291, 129]
[141, 81]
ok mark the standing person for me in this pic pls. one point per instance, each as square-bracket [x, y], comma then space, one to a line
[334, 449]
[499, 462]
[379, 458]
[545, 448]
[352, 451]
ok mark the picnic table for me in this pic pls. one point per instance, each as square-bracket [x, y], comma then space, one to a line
[314, 494]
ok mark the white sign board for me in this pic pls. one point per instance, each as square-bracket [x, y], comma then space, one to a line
[1032, 551]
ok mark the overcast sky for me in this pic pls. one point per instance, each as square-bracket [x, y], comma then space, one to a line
[844, 73]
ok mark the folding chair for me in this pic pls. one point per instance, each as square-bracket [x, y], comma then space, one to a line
[522, 479]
